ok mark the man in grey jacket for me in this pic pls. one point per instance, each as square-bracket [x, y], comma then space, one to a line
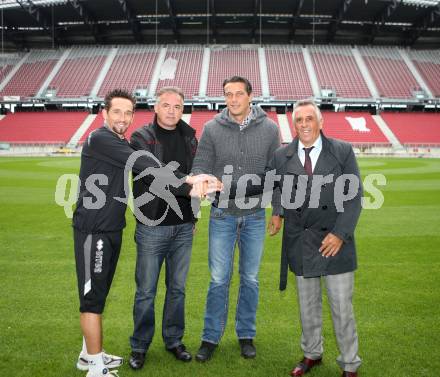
[240, 140]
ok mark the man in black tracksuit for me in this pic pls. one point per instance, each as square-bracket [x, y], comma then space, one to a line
[99, 219]
[164, 230]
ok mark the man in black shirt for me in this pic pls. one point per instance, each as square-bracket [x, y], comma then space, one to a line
[163, 232]
[99, 219]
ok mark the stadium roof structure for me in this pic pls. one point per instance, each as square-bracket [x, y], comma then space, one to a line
[51, 23]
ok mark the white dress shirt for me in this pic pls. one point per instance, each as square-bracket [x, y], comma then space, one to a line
[314, 153]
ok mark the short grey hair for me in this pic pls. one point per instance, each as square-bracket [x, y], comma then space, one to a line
[307, 102]
[170, 89]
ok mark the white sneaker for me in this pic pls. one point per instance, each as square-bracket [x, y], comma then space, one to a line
[104, 373]
[110, 361]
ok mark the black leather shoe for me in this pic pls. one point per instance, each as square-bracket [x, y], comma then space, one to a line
[205, 351]
[137, 360]
[304, 366]
[247, 347]
[180, 353]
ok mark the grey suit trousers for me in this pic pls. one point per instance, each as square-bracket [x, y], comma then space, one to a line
[339, 294]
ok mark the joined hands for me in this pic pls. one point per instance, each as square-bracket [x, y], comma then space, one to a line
[203, 185]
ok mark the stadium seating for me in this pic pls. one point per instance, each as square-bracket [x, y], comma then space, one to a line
[30, 76]
[343, 126]
[391, 75]
[428, 64]
[287, 73]
[131, 69]
[4, 71]
[198, 120]
[412, 128]
[7, 62]
[231, 61]
[133, 66]
[336, 69]
[79, 72]
[358, 128]
[188, 66]
[36, 127]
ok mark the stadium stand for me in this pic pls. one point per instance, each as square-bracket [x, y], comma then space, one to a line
[184, 66]
[427, 63]
[5, 68]
[79, 72]
[283, 125]
[337, 70]
[287, 73]
[44, 128]
[98, 122]
[413, 129]
[391, 75]
[131, 69]
[75, 73]
[7, 62]
[230, 61]
[30, 76]
[198, 120]
[354, 127]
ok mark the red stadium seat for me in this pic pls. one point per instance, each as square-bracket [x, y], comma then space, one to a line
[287, 73]
[131, 69]
[79, 72]
[412, 128]
[336, 69]
[188, 69]
[44, 127]
[233, 61]
[30, 76]
[391, 75]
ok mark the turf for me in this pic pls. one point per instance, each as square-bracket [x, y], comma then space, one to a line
[396, 294]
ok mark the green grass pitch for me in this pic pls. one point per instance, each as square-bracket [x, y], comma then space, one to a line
[397, 294]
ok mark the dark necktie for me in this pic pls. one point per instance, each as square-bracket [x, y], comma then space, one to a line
[308, 161]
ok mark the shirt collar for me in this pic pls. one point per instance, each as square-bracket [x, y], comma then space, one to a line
[246, 120]
[317, 144]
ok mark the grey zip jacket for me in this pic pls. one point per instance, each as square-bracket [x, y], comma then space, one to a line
[229, 153]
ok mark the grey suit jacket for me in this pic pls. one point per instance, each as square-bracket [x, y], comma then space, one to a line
[304, 226]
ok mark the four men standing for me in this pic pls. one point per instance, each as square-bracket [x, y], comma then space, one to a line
[317, 242]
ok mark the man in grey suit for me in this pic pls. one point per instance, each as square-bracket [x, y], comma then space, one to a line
[321, 196]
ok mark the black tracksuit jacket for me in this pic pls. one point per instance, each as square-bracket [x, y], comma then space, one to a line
[105, 153]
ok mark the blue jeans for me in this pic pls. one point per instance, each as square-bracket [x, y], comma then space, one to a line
[224, 232]
[154, 245]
